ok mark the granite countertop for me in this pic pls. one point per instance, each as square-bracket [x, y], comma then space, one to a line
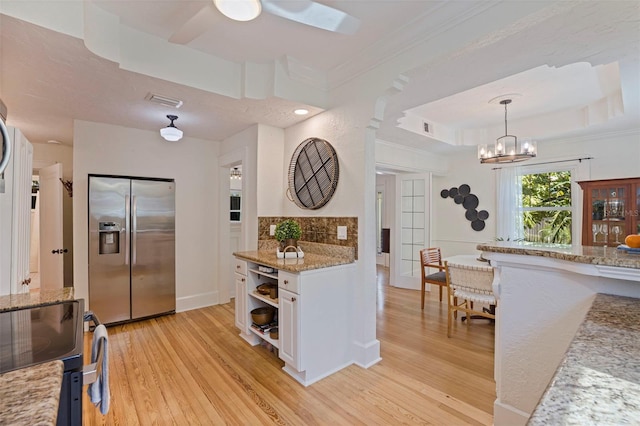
[30, 395]
[598, 382]
[608, 256]
[316, 256]
[35, 298]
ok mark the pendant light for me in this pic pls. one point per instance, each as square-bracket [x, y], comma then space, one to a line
[171, 132]
[506, 148]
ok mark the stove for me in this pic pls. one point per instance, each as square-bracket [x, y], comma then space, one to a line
[33, 335]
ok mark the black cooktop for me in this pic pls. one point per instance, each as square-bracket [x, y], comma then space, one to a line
[39, 334]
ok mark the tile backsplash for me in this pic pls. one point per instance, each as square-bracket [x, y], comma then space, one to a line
[316, 229]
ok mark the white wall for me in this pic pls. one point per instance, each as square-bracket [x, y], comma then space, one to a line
[615, 156]
[107, 149]
[272, 170]
[45, 154]
[394, 157]
[451, 231]
[347, 130]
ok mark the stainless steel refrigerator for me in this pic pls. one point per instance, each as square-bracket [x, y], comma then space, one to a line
[131, 247]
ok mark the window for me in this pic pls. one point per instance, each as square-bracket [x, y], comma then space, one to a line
[235, 206]
[547, 207]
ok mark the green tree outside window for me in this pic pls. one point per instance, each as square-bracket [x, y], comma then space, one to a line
[546, 202]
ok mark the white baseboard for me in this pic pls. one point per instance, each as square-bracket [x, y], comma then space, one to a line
[506, 415]
[196, 301]
[368, 354]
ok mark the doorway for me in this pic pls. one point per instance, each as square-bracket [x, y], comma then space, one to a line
[51, 253]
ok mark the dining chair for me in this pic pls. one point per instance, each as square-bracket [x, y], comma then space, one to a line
[432, 258]
[467, 284]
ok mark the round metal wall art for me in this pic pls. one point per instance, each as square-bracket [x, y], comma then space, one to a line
[313, 174]
[462, 195]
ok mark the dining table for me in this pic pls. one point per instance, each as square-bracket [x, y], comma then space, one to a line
[469, 260]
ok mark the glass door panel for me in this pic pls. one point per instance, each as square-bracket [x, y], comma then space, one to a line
[413, 201]
[608, 214]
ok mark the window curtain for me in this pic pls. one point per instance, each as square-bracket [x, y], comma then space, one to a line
[509, 221]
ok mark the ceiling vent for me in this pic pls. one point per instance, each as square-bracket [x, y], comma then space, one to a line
[164, 100]
[427, 127]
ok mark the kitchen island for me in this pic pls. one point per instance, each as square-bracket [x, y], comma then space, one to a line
[313, 307]
[35, 298]
[544, 294]
[598, 381]
[30, 396]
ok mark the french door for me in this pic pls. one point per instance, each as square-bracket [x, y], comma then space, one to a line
[413, 203]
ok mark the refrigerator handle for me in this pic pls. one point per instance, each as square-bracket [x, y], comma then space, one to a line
[134, 230]
[127, 220]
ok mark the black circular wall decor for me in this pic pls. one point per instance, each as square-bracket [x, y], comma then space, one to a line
[462, 195]
[470, 202]
[313, 173]
[477, 225]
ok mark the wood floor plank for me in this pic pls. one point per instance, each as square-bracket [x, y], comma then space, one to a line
[193, 368]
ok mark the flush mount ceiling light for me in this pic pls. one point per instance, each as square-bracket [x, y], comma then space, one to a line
[506, 148]
[301, 111]
[171, 132]
[239, 10]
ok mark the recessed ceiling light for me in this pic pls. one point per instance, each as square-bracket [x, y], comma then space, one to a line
[301, 111]
[53, 141]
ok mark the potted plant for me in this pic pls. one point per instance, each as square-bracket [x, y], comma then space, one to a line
[287, 232]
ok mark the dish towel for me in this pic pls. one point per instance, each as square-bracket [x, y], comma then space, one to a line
[99, 390]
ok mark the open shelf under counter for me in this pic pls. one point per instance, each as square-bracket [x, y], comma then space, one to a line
[266, 337]
[273, 275]
[266, 299]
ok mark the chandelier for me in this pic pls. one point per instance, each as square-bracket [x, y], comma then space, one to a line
[506, 149]
[235, 173]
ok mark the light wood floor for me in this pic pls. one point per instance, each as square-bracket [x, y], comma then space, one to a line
[192, 368]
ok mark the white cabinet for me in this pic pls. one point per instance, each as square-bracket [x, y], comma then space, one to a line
[15, 216]
[315, 324]
[288, 327]
[241, 302]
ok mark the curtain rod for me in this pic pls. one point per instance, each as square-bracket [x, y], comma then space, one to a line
[552, 162]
